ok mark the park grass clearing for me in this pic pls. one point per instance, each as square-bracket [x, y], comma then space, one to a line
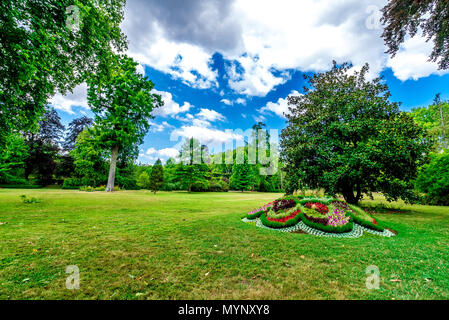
[137, 245]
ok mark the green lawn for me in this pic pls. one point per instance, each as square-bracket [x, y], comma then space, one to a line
[136, 245]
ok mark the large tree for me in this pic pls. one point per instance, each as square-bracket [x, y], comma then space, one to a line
[408, 17]
[344, 135]
[44, 50]
[122, 101]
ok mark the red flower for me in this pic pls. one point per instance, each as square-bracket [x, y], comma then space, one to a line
[285, 219]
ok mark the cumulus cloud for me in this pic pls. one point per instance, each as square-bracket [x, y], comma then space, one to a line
[76, 99]
[210, 115]
[159, 127]
[262, 39]
[163, 153]
[206, 135]
[170, 108]
[280, 107]
[412, 60]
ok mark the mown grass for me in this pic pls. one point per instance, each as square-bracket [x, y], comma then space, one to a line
[136, 245]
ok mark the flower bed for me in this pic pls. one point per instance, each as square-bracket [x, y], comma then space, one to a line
[256, 213]
[320, 207]
[325, 216]
[285, 222]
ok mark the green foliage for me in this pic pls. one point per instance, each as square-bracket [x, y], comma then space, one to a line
[193, 169]
[433, 179]
[144, 180]
[44, 148]
[40, 55]
[89, 160]
[242, 178]
[31, 200]
[156, 178]
[435, 119]
[345, 136]
[13, 153]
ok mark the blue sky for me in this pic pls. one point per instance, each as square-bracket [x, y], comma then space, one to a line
[222, 65]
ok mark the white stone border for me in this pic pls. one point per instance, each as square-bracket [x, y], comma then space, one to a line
[356, 232]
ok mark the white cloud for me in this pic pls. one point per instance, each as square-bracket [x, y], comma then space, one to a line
[169, 153]
[205, 135]
[163, 153]
[412, 60]
[159, 127]
[263, 39]
[240, 101]
[76, 99]
[226, 102]
[170, 108]
[280, 107]
[210, 115]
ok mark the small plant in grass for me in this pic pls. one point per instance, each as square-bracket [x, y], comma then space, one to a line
[31, 200]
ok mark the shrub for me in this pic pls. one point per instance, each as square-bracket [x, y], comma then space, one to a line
[87, 189]
[73, 183]
[200, 186]
[219, 186]
[433, 179]
[126, 183]
[253, 216]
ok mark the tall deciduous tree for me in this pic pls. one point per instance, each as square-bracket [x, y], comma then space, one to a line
[122, 101]
[156, 179]
[44, 50]
[408, 17]
[344, 135]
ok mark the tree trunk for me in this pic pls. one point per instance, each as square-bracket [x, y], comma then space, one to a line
[112, 167]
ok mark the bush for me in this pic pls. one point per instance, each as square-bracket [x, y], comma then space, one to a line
[219, 186]
[200, 186]
[433, 180]
[126, 183]
[87, 189]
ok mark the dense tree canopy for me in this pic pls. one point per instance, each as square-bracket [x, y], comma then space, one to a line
[41, 54]
[433, 179]
[435, 119]
[75, 127]
[408, 17]
[122, 101]
[344, 135]
[43, 147]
